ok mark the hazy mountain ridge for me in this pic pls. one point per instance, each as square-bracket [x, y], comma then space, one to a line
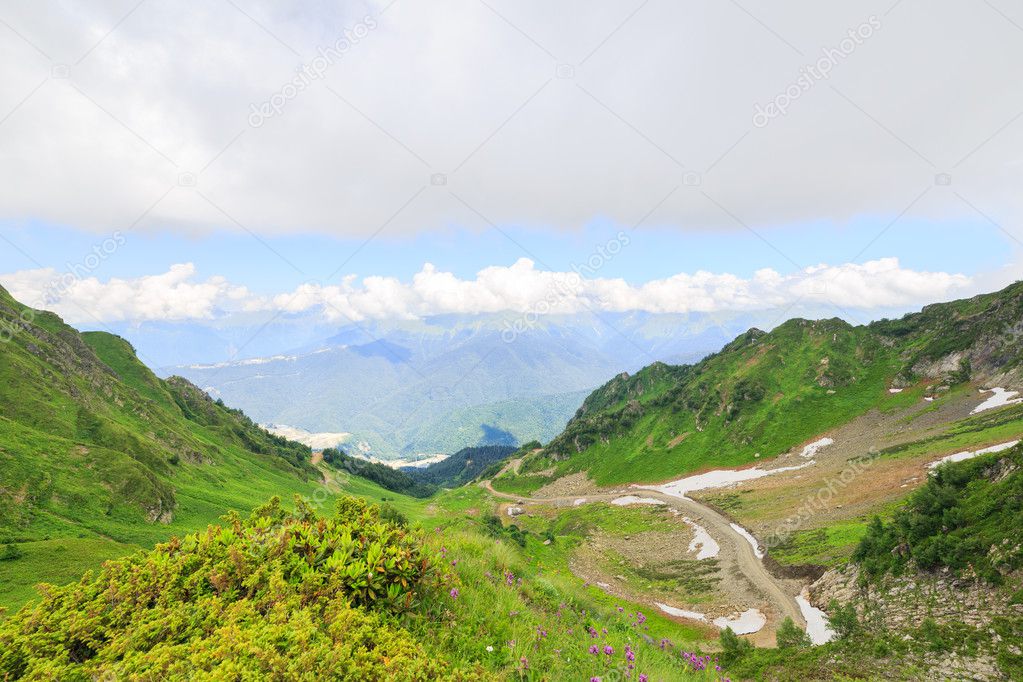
[431, 385]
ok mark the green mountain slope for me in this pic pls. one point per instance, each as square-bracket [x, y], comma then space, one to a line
[463, 466]
[98, 456]
[765, 393]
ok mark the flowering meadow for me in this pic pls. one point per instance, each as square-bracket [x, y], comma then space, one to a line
[522, 622]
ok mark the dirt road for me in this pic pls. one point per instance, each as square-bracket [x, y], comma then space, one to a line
[771, 589]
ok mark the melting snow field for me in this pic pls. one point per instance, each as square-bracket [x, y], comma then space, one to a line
[1001, 398]
[744, 623]
[680, 613]
[721, 478]
[632, 499]
[580, 501]
[811, 450]
[741, 623]
[963, 456]
[817, 624]
[702, 541]
[749, 538]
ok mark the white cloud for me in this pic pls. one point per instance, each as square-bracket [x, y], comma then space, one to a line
[466, 92]
[179, 294]
[173, 295]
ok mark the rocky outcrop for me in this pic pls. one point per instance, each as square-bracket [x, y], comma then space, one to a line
[900, 605]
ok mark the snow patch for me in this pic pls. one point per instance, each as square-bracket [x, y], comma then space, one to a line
[896, 390]
[702, 541]
[1000, 398]
[811, 450]
[749, 538]
[681, 613]
[744, 623]
[817, 624]
[719, 478]
[741, 623]
[632, 499]
[970, 454]
[580, 501]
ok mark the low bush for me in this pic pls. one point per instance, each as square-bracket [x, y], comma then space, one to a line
[280, 595]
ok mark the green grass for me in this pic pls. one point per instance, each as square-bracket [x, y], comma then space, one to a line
[486, 607]
[524, 485]
[830, 546]
[691, 581]
[985, 429]
[53, 561]
[463, 509]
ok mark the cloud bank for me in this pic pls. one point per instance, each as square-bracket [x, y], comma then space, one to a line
[180, 294]
[411, 116]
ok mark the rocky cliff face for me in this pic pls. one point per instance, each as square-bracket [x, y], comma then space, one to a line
[978, 339]
[900, 605]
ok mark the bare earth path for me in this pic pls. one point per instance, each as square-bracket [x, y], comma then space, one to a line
[771, 589]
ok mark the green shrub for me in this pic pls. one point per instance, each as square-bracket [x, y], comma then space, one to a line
[930, 633]
[733, 647]
[790, 636]
[10, 552]
[968, 516]
[843, 619]
[280, 595]
[393, 515]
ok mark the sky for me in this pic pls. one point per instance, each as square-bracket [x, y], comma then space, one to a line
[185, 160]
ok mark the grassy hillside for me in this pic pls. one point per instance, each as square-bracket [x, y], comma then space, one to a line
[99, 457]
[766, 393]
[386, 477]
[463, 466]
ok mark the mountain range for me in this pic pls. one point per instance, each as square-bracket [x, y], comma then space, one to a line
[407, 387]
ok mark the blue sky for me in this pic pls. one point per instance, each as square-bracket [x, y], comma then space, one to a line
[655, 253]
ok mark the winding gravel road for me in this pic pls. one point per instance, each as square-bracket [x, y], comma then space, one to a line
[719, 526]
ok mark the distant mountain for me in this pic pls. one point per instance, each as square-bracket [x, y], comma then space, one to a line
[766, 392]
[447, 382]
